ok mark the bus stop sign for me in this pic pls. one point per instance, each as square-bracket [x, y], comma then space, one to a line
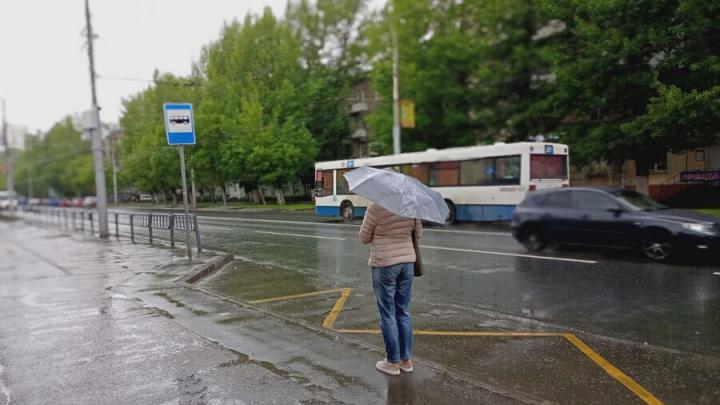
[179, 124]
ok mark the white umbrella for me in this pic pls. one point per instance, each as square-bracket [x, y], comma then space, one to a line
[400, 194]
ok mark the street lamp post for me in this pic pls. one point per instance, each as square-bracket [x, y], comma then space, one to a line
[396, 92]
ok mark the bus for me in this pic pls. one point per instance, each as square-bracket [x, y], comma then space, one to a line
[479, 183]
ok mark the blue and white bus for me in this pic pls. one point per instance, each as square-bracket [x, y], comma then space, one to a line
[479, 183]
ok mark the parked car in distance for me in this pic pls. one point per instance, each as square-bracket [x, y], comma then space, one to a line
[612, 217]
[8, 200]
[145, 198]
[89, 202]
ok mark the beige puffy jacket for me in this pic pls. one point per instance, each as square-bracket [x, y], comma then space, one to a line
[390, 236]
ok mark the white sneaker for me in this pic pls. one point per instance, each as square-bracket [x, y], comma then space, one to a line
[407, 369]
[387, 368]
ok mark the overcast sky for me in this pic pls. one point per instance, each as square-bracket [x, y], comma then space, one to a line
[44, 65]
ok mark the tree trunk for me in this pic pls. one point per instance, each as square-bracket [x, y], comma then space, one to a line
[255, 196]
[224, 199]
[280, 196]
[262, 196]
[174, 200]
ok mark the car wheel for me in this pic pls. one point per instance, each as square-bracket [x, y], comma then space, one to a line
[533, 239]
[657, 246]
[452, 213]
[346, 212]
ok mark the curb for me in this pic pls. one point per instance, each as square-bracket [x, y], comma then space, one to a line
[206, 269]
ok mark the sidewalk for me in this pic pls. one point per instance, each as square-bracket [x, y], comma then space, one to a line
[84, 321]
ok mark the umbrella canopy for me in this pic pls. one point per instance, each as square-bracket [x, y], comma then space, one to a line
[400, 194]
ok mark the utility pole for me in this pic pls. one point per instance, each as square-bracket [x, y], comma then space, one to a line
[8, 157]
[113, 161]
[396, 92]
[95, 132]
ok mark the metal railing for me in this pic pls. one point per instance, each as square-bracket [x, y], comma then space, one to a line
[77, 219]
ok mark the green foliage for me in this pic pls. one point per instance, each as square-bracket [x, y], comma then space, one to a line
[261, 102]
[635, 77]
[147, 161]
[58, 164]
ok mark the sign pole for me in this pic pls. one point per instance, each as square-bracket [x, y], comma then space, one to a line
[181, 150]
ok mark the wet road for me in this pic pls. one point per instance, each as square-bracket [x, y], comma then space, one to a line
[657, 323]
[608, 293]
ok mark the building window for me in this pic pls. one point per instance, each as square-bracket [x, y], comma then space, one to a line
[699, 155]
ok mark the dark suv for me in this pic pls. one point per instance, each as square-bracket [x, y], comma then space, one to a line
[611, 217]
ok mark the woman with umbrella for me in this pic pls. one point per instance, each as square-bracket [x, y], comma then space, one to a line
[392, 226]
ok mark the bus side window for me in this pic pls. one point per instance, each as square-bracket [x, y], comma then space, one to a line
[507, 170]
[480, 172]
[342, 185]
[444, 174]
[420, 171]
[326, 183]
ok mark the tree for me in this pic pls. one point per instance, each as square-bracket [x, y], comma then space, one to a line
[635, 78]
[470, 67]
[258, 98]
[148, 162]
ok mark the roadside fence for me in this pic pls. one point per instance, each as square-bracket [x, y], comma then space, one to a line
[133, 224]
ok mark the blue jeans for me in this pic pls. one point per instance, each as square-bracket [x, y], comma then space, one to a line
[392, 286]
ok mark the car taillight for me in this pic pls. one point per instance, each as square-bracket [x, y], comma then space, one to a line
[532, 187]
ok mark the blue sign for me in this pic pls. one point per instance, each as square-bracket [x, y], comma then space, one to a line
[350, 163]
[549, 150]
[179, 124]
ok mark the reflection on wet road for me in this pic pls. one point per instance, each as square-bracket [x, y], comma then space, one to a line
[606, 293]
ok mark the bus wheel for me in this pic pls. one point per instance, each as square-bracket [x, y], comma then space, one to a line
[346, 211]
[452, 214]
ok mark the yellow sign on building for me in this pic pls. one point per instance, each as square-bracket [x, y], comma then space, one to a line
[407, 113]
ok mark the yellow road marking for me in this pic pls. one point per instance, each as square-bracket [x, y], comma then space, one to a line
[618, 375]
[332, 316]
[613, 371]
[290, 297]
[457, 333]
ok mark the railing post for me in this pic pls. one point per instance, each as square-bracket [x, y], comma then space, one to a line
[117, 227]
[149, 217]
[82, 221]
[132, 228]
[172, 230]
[92, 224]
[197, 234]
[73, 220]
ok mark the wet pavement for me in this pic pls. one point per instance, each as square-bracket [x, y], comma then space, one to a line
[657, 323]
[566, 326]
[84, 321]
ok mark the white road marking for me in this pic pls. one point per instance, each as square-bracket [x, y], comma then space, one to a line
[485, 252]
[717, 273]
[223, 228]
[278, 221]
[299, 235]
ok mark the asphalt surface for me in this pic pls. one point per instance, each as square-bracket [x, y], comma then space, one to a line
[487, 312]
[660, 322]
[84, 321]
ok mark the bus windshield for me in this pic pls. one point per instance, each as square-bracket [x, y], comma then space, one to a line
[548, 167]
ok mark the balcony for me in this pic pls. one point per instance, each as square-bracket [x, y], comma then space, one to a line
[360, 134]
[359, 107]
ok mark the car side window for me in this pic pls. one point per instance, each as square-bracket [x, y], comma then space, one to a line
[592, 201]
[560, 199]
